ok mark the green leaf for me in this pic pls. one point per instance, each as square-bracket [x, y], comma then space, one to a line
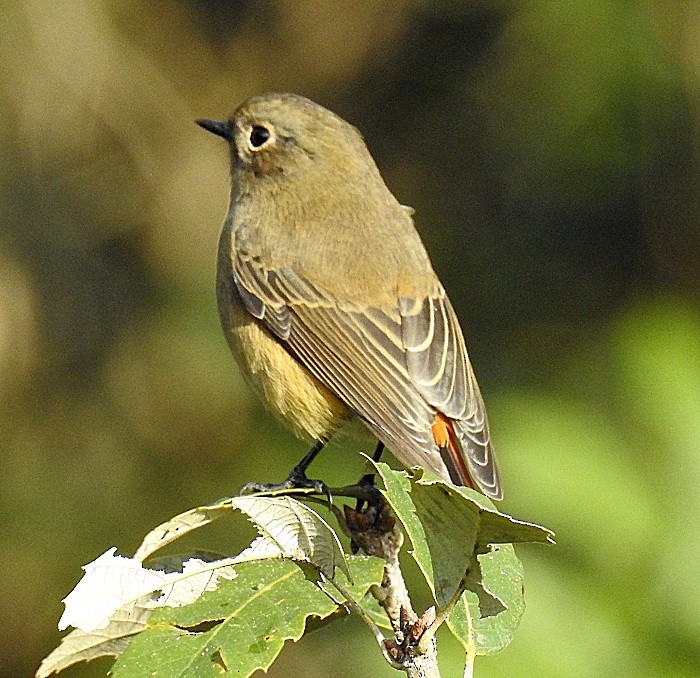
[78, 646]
[365, 571]
[494, 527]
[116, 596]
[296, 531]
[240, 627]
[451, 529]
[180, 525]
[502, 575]
[252, 616]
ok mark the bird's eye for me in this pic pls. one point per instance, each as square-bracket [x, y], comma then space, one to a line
[259, 136]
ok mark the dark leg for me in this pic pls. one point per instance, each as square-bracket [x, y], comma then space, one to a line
[367, 480]
[296, 480]
[299, 471]
[367, 517]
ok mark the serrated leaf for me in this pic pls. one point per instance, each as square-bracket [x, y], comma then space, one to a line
[240, 627]
[495, 527]
[78, 646]
[450, 529]
[114, 583]
[494, 603]
[117, 595]
[297, 531]
[288, 529]
[180, 525]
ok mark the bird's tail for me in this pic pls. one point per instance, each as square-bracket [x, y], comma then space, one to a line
[469, 462]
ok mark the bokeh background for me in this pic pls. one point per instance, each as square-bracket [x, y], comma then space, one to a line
[550, 150]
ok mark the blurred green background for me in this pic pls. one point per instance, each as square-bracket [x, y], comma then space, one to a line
[551, 152]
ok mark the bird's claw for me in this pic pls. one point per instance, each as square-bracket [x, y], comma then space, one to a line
[296, 483]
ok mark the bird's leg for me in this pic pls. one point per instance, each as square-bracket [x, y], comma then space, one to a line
[366, 520]
[366, 482]
[297, 476]
[296, 480]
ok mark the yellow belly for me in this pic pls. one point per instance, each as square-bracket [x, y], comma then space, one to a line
[287, 388]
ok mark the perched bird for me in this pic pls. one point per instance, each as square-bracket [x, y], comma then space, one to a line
[329, 301]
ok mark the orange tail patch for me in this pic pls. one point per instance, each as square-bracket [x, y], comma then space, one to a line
[450, 450]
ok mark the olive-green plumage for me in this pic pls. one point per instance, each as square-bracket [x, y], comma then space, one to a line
[328, 298]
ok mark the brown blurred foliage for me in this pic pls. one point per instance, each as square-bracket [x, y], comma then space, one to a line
[551, 153]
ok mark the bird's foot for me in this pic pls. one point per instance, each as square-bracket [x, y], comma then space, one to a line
[296, 483]
[367, 492]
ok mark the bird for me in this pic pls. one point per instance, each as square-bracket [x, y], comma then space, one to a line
[329, 301]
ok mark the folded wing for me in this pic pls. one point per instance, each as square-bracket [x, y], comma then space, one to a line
[397, 368]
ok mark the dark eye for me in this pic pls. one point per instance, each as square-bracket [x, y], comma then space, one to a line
[258, 136]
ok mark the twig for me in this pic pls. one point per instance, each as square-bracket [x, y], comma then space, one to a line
[376, 631]
[377, 533]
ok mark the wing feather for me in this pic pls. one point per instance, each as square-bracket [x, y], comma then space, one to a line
[443, 374]
[395, 368]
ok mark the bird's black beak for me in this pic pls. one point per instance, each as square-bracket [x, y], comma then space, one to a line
[221, 129]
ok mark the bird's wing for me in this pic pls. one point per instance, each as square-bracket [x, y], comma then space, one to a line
[437, 360]
[395, 368]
